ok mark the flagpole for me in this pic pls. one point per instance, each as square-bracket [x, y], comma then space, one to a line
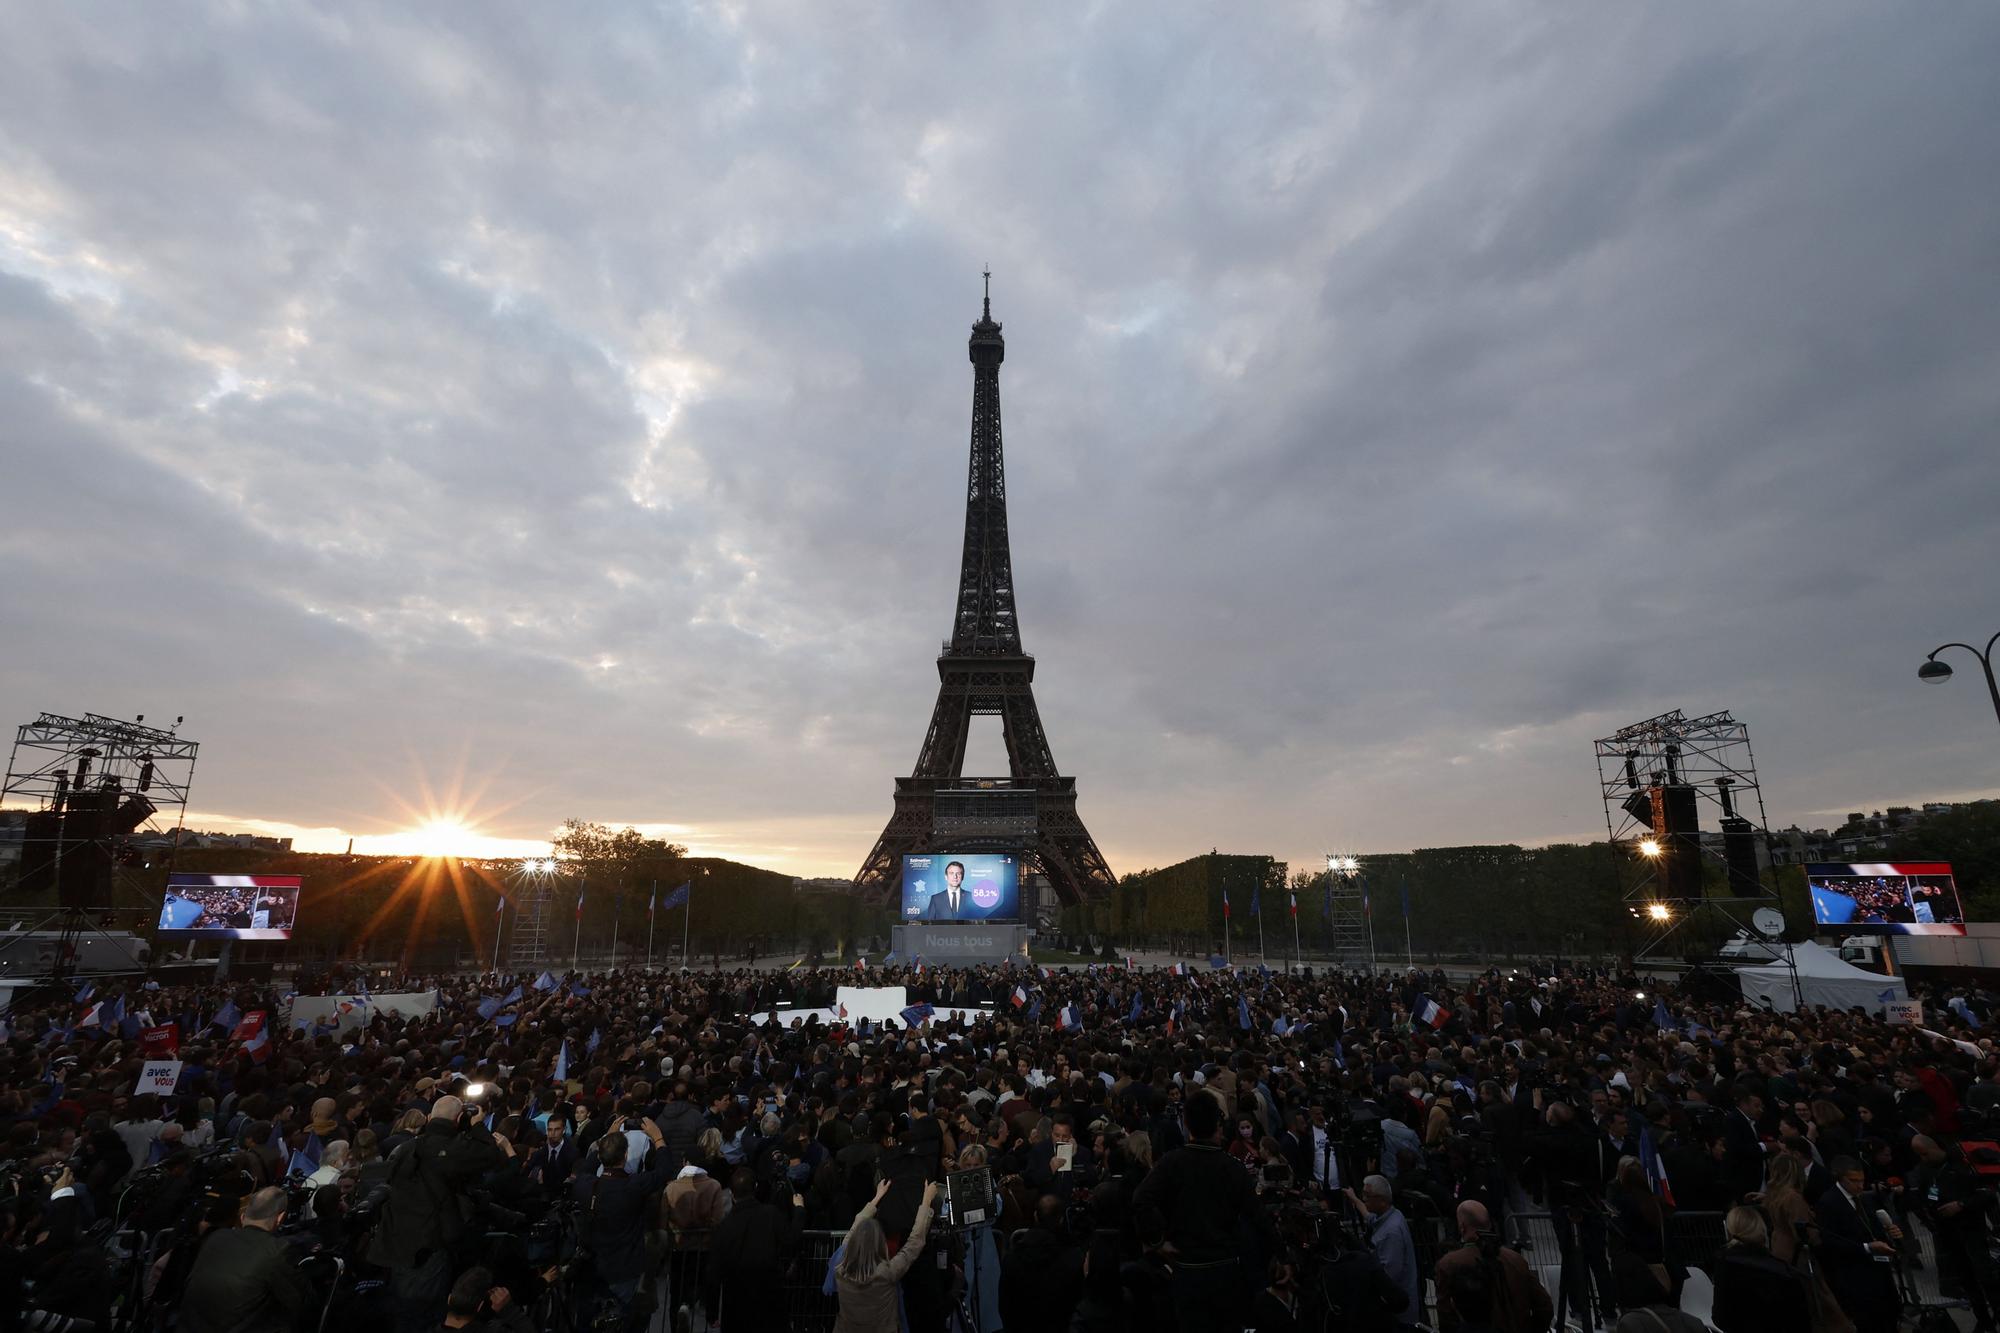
[1263, 959]
[499, 919]
[1297, 957]
[687, 914]
[652, 911]
[617, 910]
[1409, 953]
[576, 936]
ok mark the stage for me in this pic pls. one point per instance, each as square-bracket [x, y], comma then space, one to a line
[877, 1004]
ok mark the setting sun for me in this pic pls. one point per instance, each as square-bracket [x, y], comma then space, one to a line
[441, 837]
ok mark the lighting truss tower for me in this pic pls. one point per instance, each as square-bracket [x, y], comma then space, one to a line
[528, 942]
[1681, 794]
[983, 669]
[1349, 918]
[106, 800]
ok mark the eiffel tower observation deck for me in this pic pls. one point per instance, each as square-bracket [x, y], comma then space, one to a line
[1031, 810]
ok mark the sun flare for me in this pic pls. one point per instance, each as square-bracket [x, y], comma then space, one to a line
[442, 837]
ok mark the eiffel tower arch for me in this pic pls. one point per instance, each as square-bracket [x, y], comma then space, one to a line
[1031, 809]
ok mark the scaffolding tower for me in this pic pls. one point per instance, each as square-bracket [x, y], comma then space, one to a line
[1350, 922]
[1681, 794]
[105, 799]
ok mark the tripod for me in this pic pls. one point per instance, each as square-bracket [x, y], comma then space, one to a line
[1584, 1286]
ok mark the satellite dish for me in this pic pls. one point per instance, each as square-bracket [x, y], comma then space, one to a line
[1768, 922]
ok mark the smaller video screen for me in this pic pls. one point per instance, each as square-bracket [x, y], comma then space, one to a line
[1886, 898]
[230, 907]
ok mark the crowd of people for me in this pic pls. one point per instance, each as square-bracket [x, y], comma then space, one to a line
[1096, 1148]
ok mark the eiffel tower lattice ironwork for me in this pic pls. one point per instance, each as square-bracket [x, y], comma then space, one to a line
[983, 670]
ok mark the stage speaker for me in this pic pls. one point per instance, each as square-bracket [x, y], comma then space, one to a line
[127, 818]
[1677, 828]
[83, 874]
[1739, 853]
[41, 838]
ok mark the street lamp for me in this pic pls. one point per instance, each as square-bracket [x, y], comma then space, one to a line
[1936, 672]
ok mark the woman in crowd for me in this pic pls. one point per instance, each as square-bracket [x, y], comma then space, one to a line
[1790, 1232]
[1755, 1291]
[866, 1276]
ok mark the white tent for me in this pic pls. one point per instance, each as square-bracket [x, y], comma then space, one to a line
[1823, 979]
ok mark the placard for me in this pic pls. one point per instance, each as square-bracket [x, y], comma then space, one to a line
[160, 1043]
[1903, 1011]
[159, 1077]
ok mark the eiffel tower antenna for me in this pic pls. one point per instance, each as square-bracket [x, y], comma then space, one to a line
[1031, 811]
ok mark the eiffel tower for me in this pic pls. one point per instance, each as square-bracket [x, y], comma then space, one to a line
[1032, 811]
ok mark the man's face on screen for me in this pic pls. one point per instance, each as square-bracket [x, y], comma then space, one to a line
[954, 875]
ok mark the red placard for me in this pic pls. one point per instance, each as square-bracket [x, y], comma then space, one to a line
[160, 1043]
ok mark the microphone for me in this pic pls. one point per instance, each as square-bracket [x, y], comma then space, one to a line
[1887, 1223]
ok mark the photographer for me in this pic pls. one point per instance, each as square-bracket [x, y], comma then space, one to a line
[1041, 1278]
[1389, 1232]
[1515, 1299]
[245, 1278]
[477, 1301]
[1192, 1206]
[1571, 1160]
[1955, 1203]
[42, 1242]
[749, 1248]
[616, 1208]
[425, 1213]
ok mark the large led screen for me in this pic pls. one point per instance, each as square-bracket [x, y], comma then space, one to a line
[961, 886]
[230, 907]
[1886, 898]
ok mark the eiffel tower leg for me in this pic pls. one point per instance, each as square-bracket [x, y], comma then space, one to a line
[943, 755]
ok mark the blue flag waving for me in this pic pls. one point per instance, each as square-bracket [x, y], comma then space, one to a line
[918, 1014]
[678, 896]
[1243, 1012]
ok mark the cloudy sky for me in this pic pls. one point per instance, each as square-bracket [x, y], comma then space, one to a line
[550, 412]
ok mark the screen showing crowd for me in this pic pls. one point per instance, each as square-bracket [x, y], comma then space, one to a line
[230, 907]
[961, 886]
[1887, 898]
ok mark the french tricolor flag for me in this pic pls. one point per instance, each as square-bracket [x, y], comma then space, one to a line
[1020, 996]
[1066, 1018]
[1430, 1013]
[1177, 971]
[93, 1016]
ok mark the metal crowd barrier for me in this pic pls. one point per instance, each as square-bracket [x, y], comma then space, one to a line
[1696, 1240]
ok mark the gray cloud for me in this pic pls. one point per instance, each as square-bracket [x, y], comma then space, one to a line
[1396, 398]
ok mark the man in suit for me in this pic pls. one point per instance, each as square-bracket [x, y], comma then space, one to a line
[1743, 1152]
[552, 1164]
[1856, 1252]
[950, 902]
